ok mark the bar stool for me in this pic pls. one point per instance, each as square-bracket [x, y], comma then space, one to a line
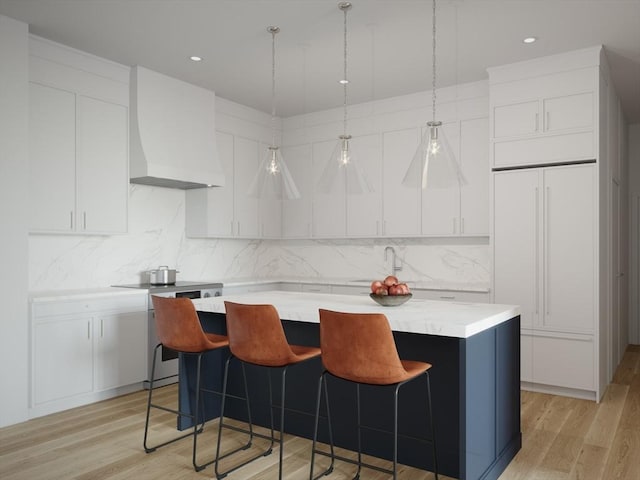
[256, 337]
[178, 328]
[360, 348]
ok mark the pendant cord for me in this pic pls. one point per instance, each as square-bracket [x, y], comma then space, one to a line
[273, 86]
[433, 82]
[345, 79]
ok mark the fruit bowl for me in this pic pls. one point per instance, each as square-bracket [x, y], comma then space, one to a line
[390, 300]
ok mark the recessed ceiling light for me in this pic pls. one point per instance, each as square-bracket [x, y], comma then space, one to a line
[343, 82]
[195, 58]
[529, 40]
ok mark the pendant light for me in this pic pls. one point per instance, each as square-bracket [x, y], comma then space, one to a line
[273, 179]
[434, 165]
[343, 162]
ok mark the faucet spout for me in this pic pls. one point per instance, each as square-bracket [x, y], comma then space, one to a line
[394, 266]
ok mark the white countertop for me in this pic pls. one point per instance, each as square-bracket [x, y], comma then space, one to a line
[448, 319]
[59, 295]
[417, 284]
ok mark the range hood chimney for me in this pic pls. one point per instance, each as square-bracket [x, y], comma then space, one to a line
[173, 135]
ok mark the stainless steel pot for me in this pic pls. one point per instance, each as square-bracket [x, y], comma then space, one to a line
[163, 275]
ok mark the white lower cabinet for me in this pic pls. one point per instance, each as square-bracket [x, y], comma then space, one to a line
[62, 358]
[119, 358]
[83, 350]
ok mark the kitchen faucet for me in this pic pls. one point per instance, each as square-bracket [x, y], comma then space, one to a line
[394, 267]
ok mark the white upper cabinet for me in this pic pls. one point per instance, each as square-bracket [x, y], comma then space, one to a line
[78, 142]
[296, 214]
[52, 159]
[245, 208]
[102, 176]
[401, 205]
[329, 208]
[441, 206]
[544, 119]
[364, 210]
[464, 210]
[229, 212]
[474, 160]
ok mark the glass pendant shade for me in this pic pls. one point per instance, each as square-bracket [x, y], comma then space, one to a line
[343, 169]
[273, 179]
[434, 165]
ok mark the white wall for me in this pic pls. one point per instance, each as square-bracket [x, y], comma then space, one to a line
[634, 233]
[14, 373]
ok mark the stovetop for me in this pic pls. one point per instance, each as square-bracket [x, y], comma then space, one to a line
[178, 286]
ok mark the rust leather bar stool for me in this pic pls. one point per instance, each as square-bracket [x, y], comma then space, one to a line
[359, 348]
[256, 337]
[178, 328]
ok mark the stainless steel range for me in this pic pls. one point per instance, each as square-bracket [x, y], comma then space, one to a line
[167, 368]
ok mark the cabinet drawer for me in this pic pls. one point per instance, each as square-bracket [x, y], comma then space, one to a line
[574, 355]
[127, 303]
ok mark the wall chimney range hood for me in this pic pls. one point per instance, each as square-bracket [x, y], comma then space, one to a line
[173, 135]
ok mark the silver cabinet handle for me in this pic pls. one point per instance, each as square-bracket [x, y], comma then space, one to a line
[536, 242]
[447, 297]
[89, 330]
[101, 328]
[84, 220]
[537, 126]
[71, 220]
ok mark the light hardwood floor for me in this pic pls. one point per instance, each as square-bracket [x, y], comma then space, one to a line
[563, 439]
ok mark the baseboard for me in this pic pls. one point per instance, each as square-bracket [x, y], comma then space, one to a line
[561, 391]
[60, 405]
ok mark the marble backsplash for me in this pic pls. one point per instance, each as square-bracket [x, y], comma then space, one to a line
[156, 237]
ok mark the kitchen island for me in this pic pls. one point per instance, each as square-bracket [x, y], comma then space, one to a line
[475, 379]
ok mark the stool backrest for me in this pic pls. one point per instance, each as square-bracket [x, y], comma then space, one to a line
[177, 324]
[360, 347]
[256, 334]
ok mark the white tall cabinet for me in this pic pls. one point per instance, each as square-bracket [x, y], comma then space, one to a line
[78, 142]
[550, 216]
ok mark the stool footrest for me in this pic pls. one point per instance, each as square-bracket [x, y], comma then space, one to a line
[351, 461]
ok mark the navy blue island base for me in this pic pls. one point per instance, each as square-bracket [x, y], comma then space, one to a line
[475, 385]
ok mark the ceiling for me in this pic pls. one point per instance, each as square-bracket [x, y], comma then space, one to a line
[389, 42]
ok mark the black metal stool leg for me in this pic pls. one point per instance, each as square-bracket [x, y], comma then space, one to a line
[357, 476]
[433, 430]
[322, 380]
[395, 431]
[282, 396]
[147, 448]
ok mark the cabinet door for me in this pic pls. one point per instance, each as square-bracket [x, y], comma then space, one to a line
[329, 209]
[569, 248]
[401, 205]
[121, 355]
[516, 119]
[516, 198]
[568, 112]
[441, 206]
[52, 159]
[296, 214]
[245, 207]
[474, 159]
[102, 166]
[364, 210]
[62, 359]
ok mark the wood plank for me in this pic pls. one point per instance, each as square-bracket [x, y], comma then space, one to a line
[606, 421]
